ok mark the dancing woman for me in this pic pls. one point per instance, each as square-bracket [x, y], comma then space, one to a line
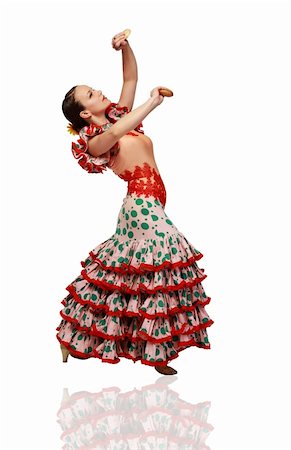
[139, 294]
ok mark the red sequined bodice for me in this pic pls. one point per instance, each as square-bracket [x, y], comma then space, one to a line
[152, 185]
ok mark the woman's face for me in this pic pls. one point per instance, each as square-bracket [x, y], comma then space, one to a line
[93, 100]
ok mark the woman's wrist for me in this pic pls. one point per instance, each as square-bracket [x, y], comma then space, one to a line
[152, 103]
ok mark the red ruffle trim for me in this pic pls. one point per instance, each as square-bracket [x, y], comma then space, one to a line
[142, 288]
[106, 442]
[147, 337]
[80, 152]
[97, 333]
[94, 354]
[123, 312]
[149, 412]
[128, 268]
[110, 113]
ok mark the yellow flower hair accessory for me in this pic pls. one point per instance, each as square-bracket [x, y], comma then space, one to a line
[71, 129]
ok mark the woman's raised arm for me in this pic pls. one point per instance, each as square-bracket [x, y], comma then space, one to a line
[103, 142]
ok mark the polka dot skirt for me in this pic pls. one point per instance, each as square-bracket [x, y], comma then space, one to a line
[153, 417]
[139, 294]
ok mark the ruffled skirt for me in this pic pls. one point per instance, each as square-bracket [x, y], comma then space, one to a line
[151, 417]
[139, 294]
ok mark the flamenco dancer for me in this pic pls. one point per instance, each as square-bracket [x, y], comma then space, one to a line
[139, 294]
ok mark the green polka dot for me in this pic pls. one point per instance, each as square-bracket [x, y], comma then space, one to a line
[138, 255]
[144, 226]
[124, 231]
[126, 216]
[154, 217]
[133, 223]
[174, 250]
[133, 213]
[161, 303]
[80, 337]
[130, 234]
[94, 297]
[144, 211]
[139, 201]
[149, 204]
[169, 221]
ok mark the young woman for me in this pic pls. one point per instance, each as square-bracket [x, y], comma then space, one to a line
[139, 295]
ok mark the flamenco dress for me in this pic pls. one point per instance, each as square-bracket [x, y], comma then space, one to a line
[139, 294]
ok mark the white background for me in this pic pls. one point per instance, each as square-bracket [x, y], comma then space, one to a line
[222, 144]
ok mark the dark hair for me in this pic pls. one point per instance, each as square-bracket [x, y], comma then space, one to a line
[72, 108]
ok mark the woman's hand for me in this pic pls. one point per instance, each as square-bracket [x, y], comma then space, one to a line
[119, 42]
[156, 96]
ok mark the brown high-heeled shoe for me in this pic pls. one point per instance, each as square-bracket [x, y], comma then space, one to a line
[66, 353]
[166, 370]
